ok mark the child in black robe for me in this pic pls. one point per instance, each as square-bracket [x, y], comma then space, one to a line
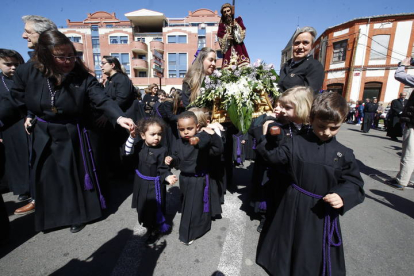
[151, 176]
[304, 237]
[191, 156]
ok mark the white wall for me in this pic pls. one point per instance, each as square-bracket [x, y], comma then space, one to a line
[401, 40]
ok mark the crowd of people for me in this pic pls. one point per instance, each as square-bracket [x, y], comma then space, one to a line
[71, 133]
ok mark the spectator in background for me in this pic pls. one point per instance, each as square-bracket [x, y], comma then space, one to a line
[394, 128]
[150, 98]
[402, 180]
[360, 112]
[378, 114]
[369, 112]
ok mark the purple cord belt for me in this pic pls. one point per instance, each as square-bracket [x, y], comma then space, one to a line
[238, 148]
[206, 200]
[330, 228]
[164, 227]
[88, 184]
[254, 143]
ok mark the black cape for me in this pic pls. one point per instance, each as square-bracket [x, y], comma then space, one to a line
[294, 243]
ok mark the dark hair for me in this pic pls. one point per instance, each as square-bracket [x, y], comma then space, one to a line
[330, 107]
[143, 124]
[114, 60]
[176, 102]
[187, 115]
[43, 57]
[6, 53]
[161, 92]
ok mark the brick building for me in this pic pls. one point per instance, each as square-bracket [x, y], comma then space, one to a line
[152, 47]
[360, 56]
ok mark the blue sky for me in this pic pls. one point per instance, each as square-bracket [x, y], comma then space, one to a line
[270, 24]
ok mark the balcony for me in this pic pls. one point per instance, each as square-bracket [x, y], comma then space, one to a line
[139, 47]
[139, 64]
[157, 45]
[78, 46]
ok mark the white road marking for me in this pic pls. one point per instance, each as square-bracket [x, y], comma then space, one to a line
[232, 254]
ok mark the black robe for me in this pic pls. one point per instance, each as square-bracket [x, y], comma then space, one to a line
[239, 149]
[61, 198]
[307, 72]
[293, 245]
[369, 113]
[394, 128]
[149, 161]
[195, 165]
[16, 143]
[149, 101]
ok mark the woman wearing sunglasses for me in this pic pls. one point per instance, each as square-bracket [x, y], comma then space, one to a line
[57, 89]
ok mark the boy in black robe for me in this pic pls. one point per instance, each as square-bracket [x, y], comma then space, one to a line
[304, 236]
[191, 156]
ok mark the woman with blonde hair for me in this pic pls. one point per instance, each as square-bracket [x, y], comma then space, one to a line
[150, 98]
[204, 65]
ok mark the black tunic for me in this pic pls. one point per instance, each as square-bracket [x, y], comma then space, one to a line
[294, 243]
[307, 72]
[394, 128]
[149, 161]
[16, 143]
[195, 165]
[369, 112]
[61, 198]
[149, 101]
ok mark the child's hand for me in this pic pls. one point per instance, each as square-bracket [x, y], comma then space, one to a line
[208, 130]
[194, 140]
[168, 160]
[133, 132]
[243, 142]
[172, 179]
[218, 125]
[334, 200]
[266, 126]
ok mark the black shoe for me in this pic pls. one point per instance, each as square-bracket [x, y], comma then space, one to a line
[23, 197]
[153, 238]
[394, 139]
[394, 183]
[76, 228]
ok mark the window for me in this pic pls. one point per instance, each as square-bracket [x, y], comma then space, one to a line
[141, 39]
[94, 30]
[109, 25]
[201, 42]
[95, 43]
[182, 39]
[142, 74]
[79, 55]
[118, 39]
[339, 51]
[124, 60]
[202, 32]
[157, 39]
[177, 65]
[379, 47]
[75, 38]
[336, 87]
[219, 54]
[143, 57]
[97, 60]
[371, 90]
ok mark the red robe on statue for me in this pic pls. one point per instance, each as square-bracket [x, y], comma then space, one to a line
[234, 51]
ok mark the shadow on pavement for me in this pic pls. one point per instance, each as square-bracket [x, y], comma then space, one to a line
[21, 229]
[370, 171]
[395, 202]
[152, 254]
[102, 261]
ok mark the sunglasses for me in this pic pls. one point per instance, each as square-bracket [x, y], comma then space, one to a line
[64, 59]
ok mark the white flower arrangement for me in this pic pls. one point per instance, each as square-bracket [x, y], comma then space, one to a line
[237, 90]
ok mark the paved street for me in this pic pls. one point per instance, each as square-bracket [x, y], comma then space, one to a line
[378, 234]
